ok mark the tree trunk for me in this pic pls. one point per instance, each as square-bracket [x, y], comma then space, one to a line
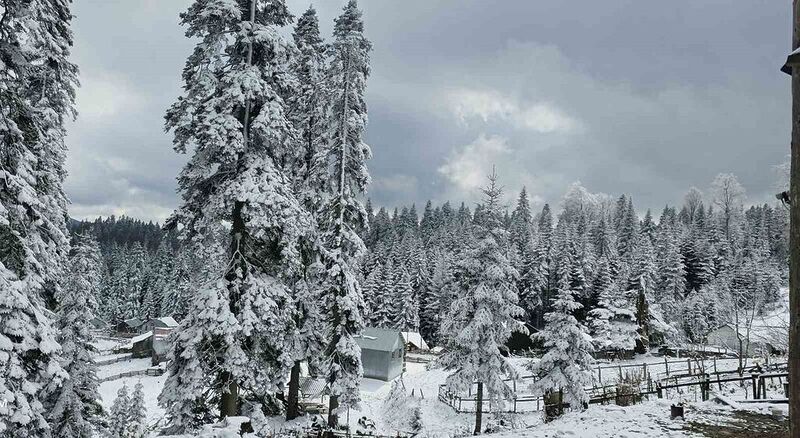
[553, 405]
[229, 402]
[292, 409]
[478, 409]
[794, 243]
[333, 418]
[741, 357]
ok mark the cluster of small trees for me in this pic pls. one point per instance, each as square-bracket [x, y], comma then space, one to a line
[127, 418]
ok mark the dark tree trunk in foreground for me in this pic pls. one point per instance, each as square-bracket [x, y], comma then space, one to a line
[292, 409]
[478, 409]
[794, 243]
[333, 419]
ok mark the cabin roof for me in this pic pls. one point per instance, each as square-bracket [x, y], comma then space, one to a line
[378, 339]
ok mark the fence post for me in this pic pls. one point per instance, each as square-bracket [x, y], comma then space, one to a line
[620, 373]
[600, 375]
[689, 364]
[754, 378]
[705, 387]
[659, 390]
[666, 365]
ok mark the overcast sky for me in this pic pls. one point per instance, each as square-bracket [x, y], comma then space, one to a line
[627, 96]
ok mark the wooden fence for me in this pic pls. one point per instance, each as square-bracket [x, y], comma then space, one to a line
[123, 375]
[698, 374]
[120, 358]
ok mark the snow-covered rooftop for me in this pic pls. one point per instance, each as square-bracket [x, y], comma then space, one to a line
[166, 320]
[415, 339]
[139, 338]
[378, 339]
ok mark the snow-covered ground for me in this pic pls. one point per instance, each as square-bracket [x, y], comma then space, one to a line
[104, 371]
[648, 419]
[151, 387]
[105, 345]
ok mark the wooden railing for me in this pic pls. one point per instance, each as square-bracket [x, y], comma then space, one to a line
[697, 375]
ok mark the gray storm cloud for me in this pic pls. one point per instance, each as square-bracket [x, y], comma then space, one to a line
[636, 97]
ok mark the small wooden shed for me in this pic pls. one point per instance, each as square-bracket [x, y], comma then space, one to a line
[141, 346]
[382, 352]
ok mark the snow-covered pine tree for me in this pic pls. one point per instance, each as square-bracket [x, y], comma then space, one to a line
[648, 227]
[383, 311]
[612, 323]
[343, 215]
[641, 284]
[371, 290]
[566, 367]
[75, 409]
[134, 283]
[521, 228]
[628, 231]
[533, 281]
[307, 106]
[161, 282]
[430, 302]
[137, 414]
[406, 304]
[119, 416]
[232, 347]
[37, 91]
[672, 281]
[112, 304]
[485, 312]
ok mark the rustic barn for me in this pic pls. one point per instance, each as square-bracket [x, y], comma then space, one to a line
[414, 342]
[160, 322]
[161, 343]
[140, 346]
[763, 339]
[98, 324]
[768, 334]
[129, 326]
[382, 352]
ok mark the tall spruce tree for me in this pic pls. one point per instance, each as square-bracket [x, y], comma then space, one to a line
[565, 368]
[307, 111]
[343, 215]
[485, 313]
[242, 170]
[37, 92]
[75, 409]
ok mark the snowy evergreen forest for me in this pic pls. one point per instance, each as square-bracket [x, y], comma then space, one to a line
[275, 260]
[682, 263]
[639, 277]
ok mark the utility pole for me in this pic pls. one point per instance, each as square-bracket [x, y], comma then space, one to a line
[794, 233]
